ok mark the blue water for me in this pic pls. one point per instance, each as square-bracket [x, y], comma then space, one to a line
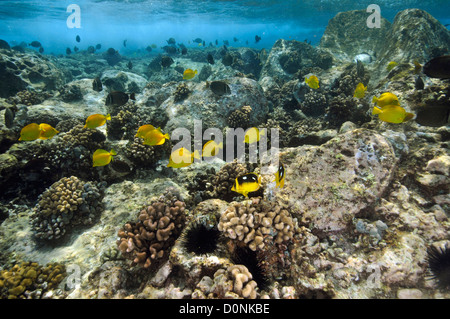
[145, 22]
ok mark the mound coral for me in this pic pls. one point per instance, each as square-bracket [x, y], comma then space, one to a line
[224, 179]
[255, 222]
[30, 280]
[240, 117]
[67, 203]
[147, 242]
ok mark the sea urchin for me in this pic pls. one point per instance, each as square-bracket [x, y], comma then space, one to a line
[439, 265]
[200, 238]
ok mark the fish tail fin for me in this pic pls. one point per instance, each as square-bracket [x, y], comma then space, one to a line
[108, 117]
[196, 155]
[20, 138]
[375, 99]
[195, 72]
[220, 145]
[133, 96]
[262, 132]
[408, 116]
[166, 136]
[376, 110]
[113, 152]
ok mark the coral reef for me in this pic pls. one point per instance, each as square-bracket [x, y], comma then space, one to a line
[29, 280]
[181, 92]
[235, 282]
[256, 223]
[147, 242]
[66, 204]
[240, 117]
[224, 179]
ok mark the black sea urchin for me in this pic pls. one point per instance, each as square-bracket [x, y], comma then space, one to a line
[439, 265]
[200, 238]
[251, 260]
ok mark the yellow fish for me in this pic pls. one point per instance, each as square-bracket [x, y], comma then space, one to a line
[360, 91]
[211, 148]
[386, 98]
[313, 82]
[252, 135]
[392, 114]
[246, 184]
[279, 176]
[96, 120]
[102, 157]
[155, 137]
[391, 65]
[46, 131]
[182, 158]
[189, 74]
[144, 129]
[30, 132]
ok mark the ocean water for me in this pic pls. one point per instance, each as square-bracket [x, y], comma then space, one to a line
[146, 22]
[354, 203]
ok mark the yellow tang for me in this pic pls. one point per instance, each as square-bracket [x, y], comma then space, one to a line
[30, 132]
[246, 184]
[252, 135]
[386, 98]
[182, 158]
[313, 82]
[155, 137]
[279, 176]
[46, 131]
[211, 148]
[392, 114]
[360, 91]
[189, 74]
[391, 65]
[96, 120]
[144, 129]
[102, 157]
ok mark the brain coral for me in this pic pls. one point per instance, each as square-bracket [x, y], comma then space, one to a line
[149, 240]
[66, 203]
[256, 221]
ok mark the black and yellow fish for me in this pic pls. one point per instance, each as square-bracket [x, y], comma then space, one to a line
[279, 175]
[247, 183]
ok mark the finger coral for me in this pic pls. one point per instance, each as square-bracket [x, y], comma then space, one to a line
[148, 241]
[256, 221]
[29, 280]
[235, 282]
[66, 203]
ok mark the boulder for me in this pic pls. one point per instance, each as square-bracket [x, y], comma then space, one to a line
[328, 185]
[203, 104]
[347, 35]
[288, 57]
[21, 71]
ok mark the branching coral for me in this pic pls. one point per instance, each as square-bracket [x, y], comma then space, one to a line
[148, 241]
[255, 222]
[67, 203]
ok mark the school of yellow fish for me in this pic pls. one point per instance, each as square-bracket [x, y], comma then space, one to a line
[387, 107]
